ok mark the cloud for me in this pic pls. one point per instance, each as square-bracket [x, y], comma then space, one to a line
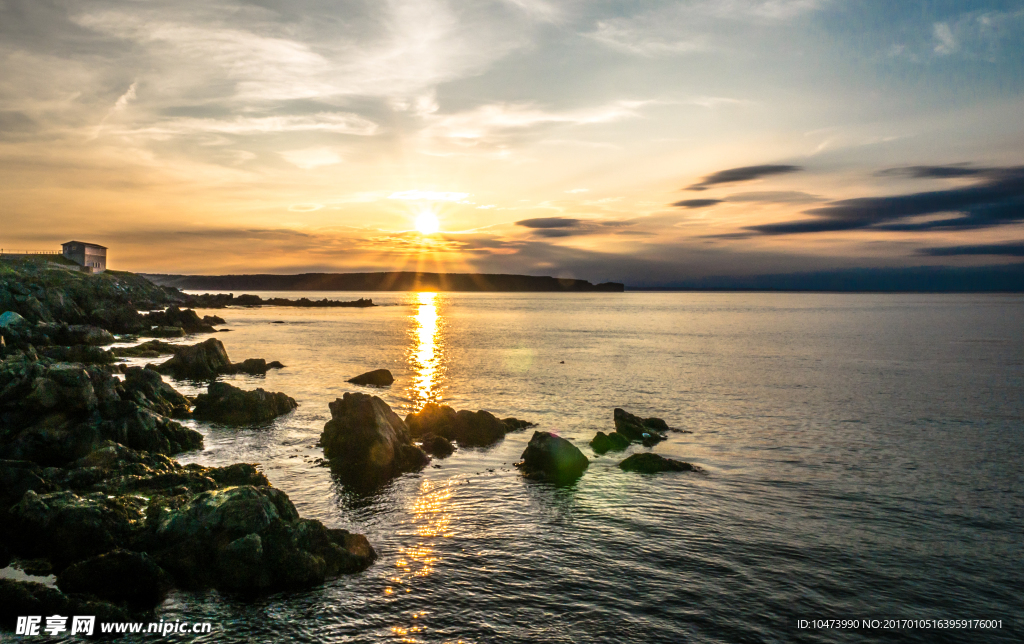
[495, 122]
[746, 173]
[576, 191]
[427, 195]
[549, 222]
[997, 201]
[936, 171]
[1010, 249]
[311, 158]
[697, 203]
[774, 196]
[945, 43]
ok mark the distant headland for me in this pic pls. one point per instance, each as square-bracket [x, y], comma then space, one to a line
[386, 281]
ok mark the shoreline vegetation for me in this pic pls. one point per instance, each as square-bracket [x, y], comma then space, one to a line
[90, 493]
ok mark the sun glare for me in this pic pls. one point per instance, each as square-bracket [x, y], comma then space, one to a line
[426, 223]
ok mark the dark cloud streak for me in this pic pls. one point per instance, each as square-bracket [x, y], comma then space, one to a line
[997, 201]
[746, 173]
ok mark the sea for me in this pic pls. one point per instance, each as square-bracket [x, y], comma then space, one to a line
[862, 458]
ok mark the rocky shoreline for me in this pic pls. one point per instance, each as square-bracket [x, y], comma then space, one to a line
[88, 489]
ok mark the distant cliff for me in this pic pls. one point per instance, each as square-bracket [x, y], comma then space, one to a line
[389, 281]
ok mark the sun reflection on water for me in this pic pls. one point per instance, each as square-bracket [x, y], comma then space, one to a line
[426, 356]
[431, 519]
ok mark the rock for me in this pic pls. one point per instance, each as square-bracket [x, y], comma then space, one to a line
[609, 442]
[22, 598]
[120, 576]
[164, 332]
[187, 320]
[255, 366]
[376, 378]
[437, 446]
[11, 320]
[213, 320]
[209, 359]
[146, 388]
[18, 477]
[638, 429]
[150, 349]
[224, 403]
[467, 428]
[367, 441]
[66, 527]
[203, 361]
[516, 425]
[142, 429]
[250, 539]
[551, 457]
[649, 463]
[83, 334]
[79, 353]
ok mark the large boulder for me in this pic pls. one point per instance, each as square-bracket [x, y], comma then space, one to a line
[649, 463]
[551, 457]
[203, 361]
[119, 575]
[367, 441]
[250, 539]
[467, 428]
[376, 378]
[230, 405]
[209, 359]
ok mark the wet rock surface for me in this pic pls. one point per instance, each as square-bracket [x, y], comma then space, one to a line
[367, 442]
[436, 446]
[550, 457]
[230, 405]
[118, 575]
[649, 463]
[467, 428]
[376, 378]
[209, 359]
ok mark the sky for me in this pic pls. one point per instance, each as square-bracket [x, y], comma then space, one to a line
[649, 143]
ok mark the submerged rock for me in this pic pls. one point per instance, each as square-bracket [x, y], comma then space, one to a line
[376, 378]
[517, 425]
[467, 428]
[150, 349]
[649, 463]
[366, 440]
[551, 457]
[224, 403]
[436, 446]
[609, 442]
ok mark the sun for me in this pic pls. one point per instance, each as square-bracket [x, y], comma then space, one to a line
[426, 223]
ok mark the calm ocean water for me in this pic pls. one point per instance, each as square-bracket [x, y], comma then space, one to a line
[863, 457]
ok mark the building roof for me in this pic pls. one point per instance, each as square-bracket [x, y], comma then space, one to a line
[84, 244]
